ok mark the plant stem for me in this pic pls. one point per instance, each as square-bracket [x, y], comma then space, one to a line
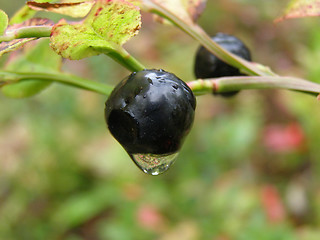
[27, 32]
[8, 77]
[200, 35]
[230, 84]
[124, 58]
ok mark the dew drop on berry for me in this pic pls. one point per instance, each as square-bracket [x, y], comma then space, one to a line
[154, 164]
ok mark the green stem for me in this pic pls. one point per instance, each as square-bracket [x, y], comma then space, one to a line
[200, 35]
[231, 84]
[124, 58]
[8, 77]
[27, 32]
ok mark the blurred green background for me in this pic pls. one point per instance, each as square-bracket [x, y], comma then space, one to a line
[248, 170]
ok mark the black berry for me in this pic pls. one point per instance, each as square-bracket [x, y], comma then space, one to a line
[150, 112]
[208, 65]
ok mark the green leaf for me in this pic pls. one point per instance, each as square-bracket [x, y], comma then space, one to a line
[108, 25]
[38, 58]
[25, 13]
[3, 21]
[300, 9]
[73, 9]
[76, 41]
[22, 15]
[115, 20]
[13, 31]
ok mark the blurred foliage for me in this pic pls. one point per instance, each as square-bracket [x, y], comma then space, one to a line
[249, 169]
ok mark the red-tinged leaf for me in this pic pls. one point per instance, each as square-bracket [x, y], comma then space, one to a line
[188, 10]
[272, 204]
[31, 22]
[13, 45]
[12, 30]
[108, 25]
[195, 8]
[300, 9]
[73, 9]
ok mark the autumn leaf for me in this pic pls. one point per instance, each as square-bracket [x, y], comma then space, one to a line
[13, 45]
[300, 9]
[188, 10]
[72, 9]
[108, 26]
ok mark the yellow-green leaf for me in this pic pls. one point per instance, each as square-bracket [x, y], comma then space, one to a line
[300, 9]
[3, 21]
[73, 9]
[108, 25]
[76, 41]
[115, 20]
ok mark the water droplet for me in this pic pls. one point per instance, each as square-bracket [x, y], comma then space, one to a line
[154, 164]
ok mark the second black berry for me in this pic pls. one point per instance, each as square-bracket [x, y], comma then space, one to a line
[208, 65]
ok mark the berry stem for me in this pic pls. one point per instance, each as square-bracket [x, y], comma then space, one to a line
[230, 84]
[8, 77]
[124, 58]
[200, 35]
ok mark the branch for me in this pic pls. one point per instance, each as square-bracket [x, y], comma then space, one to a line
[196, 32]
[124, 58]
[231, 84]
[26, 32]
[9, 77]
